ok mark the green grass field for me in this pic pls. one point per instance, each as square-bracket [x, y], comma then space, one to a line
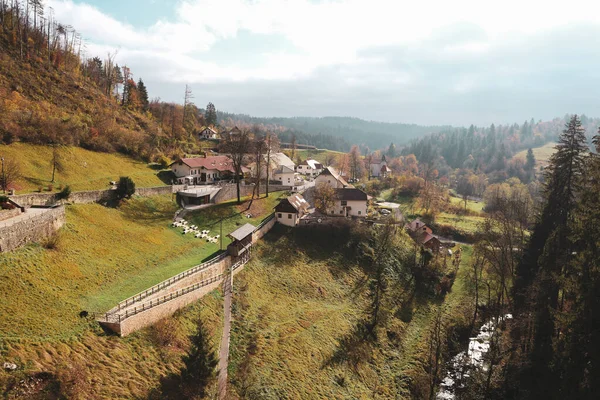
[83, 169]
[465, 223]
[105, 255]
[476, 206]
[320, 154]
[542, 154]
[294, 308]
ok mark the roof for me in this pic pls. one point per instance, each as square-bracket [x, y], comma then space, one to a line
[243, 232]
[281, 159]
[350, 194]
[282, 169]
[413, 225]
[378, 160]
[333, 172]
[314, 164]
[292, 204]
[220, 163]
[208, 128]
[385, 168]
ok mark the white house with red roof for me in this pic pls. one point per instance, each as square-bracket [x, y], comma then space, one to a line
[203, 170]
[379, 168]
[310, 168]
[331, 177]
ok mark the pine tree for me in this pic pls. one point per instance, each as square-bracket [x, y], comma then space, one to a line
[548, 257]
[143, 95]
[211, 114]
[530, 164]
[200, 364]
[392, 153]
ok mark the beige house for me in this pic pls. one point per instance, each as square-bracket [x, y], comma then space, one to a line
[290, 210]
[285, 175]
[310, 168]
[350, 202]
[203, 170]
[208, 133]
[379, 168]
[330, 177]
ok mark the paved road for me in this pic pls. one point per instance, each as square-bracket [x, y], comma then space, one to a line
[224, 349]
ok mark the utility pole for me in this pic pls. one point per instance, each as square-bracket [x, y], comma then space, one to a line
[221, 234]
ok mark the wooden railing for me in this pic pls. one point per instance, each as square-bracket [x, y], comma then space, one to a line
[118, 318]
[265, 221]
[164, 284]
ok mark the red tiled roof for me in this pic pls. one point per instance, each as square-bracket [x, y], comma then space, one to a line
[220, 163]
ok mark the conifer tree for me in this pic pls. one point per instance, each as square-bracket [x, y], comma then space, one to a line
[211, 114]
[530, 163]
[143, 95]
[200, 364]
[548, 258]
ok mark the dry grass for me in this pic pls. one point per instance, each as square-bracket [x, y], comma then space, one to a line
[542, 154]
[83, 169]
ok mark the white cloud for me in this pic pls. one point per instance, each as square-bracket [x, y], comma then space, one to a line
[388, 47]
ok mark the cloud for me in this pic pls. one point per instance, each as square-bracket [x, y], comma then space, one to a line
[427, 62]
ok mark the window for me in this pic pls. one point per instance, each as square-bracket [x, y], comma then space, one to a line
[289, 216]
[341, 211]
[279, 215]
[359, 212]
[344, 203]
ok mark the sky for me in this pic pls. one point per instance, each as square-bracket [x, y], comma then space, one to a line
[428, 62]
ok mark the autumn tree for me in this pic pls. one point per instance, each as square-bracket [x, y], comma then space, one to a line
[356, 164]
[324, 196]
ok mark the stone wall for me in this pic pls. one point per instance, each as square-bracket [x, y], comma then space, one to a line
[86, 197]
[263, 230]
[33, 229]
[7, 214]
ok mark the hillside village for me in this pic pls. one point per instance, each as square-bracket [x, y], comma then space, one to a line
[154, 249]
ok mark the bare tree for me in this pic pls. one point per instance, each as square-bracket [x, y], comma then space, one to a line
[293, 146]
[235, 145]
[259, 148]
[272, 147]
[57, 160]
[10, 174]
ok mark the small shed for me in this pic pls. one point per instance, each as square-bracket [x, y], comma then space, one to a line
[241, 240]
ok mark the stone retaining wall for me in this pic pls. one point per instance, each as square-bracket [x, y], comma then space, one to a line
[88, 196]
[7, 214]
[229, 192]
[31, 230]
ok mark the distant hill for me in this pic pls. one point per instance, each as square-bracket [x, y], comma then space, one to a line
[339, 133]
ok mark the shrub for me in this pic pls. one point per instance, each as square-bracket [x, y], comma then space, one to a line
[125, 188]
[52, 242]
[64, 193]
[164, 161]
[3, 199]
[7, 206]
[50, 188]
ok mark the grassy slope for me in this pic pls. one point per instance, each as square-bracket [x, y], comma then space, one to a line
[318, 154]
[476, 206]
[542, 154]
[83, 169]
[105, 255]
[293, 308]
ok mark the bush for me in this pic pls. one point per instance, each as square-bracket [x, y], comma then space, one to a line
[3, 199]
[7, 206]
[52, 242]
[125, 188]
[50, 188]
[64, 193]
[164, 161]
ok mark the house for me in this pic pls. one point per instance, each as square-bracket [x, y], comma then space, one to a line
[377, 165]
[277, 160]
[290, 210]
[230, 132]
[330, 177]
[430, 242]
[350, 202]
[285, 175]
[203, 170]
[417, 227]
[386, 172]
[208, 133]
[310, 168]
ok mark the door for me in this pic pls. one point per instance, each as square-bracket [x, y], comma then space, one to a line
[203, 177]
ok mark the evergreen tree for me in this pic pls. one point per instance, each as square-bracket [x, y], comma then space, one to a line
[143, 95]
[547, 259]
[392, 153]
[200, 364]
[211, 114]
[530, 163]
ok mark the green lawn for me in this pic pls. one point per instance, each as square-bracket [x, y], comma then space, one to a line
[476, 206]
[105, 256]
[542, 154]
[320, 154]
[82, 169]
[466, 223]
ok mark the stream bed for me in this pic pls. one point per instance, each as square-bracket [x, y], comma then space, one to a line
[469, 360]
